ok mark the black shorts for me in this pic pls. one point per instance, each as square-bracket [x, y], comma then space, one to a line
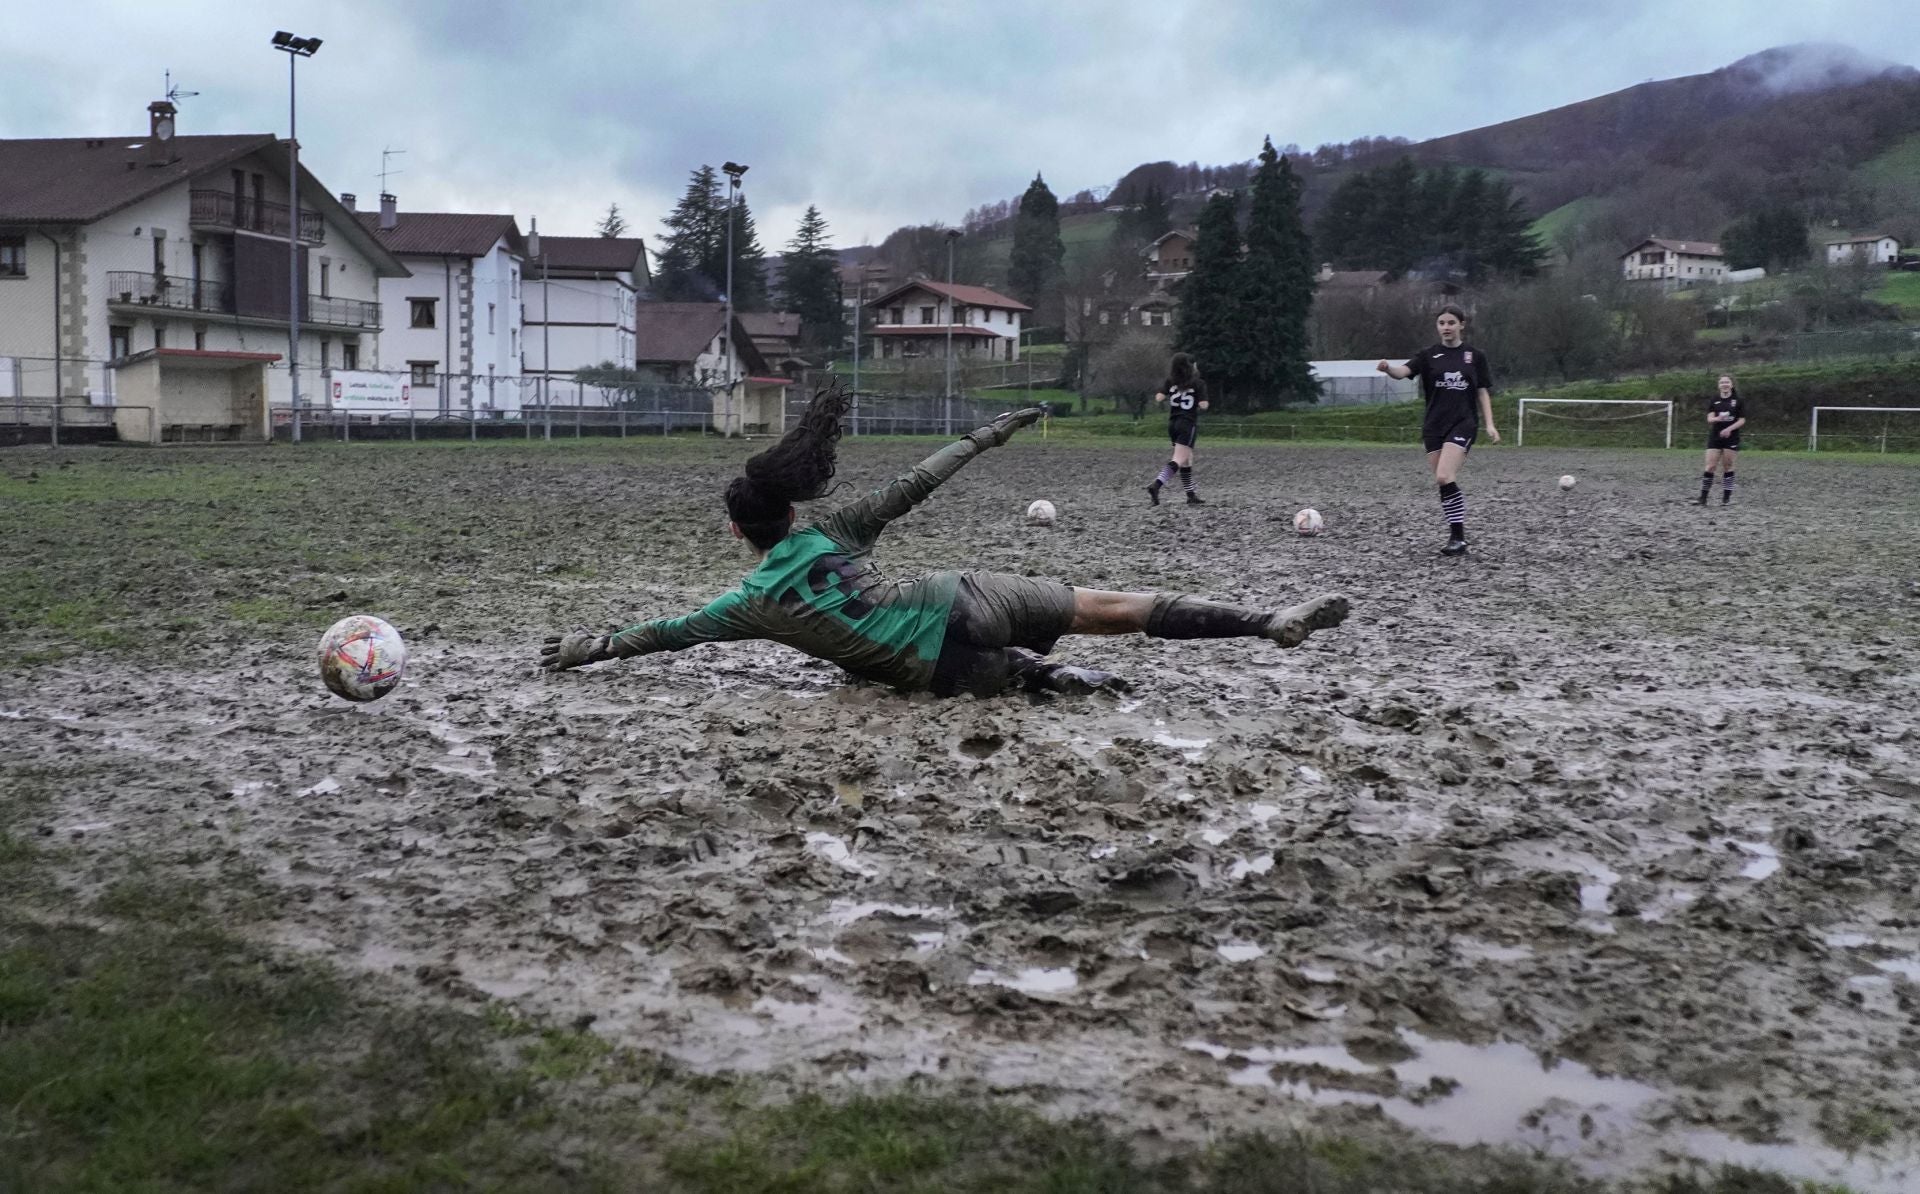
[1183, 432]
[1462, 433]
[992, 613]
[1715, 443]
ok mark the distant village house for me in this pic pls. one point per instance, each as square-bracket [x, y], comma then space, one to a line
[1675, 264]
[916, 320]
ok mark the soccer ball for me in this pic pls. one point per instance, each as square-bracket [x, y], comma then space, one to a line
[362, 658]
[1308, 522]
[1040, 514]
[1567, 482]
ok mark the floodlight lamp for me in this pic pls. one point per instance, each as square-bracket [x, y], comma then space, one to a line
[733, 170]
[282, 38]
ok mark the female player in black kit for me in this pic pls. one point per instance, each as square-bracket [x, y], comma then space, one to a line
[1725, 417]
[1186, 396]
[1452, 375]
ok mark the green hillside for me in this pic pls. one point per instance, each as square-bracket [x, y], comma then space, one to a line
[1899, 164]
[1567, 215]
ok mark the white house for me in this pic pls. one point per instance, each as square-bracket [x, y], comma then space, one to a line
[595, 283]
[454, 324]
[1674, 263]
[914, 321]
[1877, 248]
[174, 250]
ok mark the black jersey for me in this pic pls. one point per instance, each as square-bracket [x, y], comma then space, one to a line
[1183, 399]
[1722, 411]
[1449, 378]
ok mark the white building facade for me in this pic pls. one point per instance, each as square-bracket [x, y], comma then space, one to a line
[1675, 264]
[1877, 249]
[594, 284]
[178, 244]
[916, 320]
[455, 324]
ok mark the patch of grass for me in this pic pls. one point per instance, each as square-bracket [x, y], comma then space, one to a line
[270, 609]
[1899, 288]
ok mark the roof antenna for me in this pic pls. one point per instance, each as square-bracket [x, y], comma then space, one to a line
[385, 170]
[174, 94]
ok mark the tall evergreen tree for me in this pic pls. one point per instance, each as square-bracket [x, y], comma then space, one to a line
[613, 223]
[1033, 272]
[1341, 234]
[1510, 247]
[749, 260]
[1275, 288]
[1395, 233]
[695, 243]
[812, 284]
[1207, 323]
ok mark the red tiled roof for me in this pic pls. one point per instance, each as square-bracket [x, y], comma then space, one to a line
[610, 254]
[63, 180]
[1692, 248]
[972, 296]
[453, 234]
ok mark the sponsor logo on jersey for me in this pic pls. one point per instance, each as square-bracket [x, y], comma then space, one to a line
[1452, 379]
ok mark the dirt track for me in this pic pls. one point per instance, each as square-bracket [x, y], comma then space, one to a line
[1635, 786]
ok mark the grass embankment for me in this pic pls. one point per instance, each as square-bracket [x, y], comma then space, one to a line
[149, 1042]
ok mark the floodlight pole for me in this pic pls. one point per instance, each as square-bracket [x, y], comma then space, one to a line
[733, 171]
[295, 49]
[953, 234]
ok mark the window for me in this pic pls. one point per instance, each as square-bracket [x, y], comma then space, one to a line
[326, 352]
[422, 313]
[159, 336]
[423, 372]
[899, 315]
[515, 292]
[119, 342]
[513, 341]
[159, 255]
[199, 340]
[13, 256]
[490, 319]
[326, 277]
[926, 315]
[350, 355]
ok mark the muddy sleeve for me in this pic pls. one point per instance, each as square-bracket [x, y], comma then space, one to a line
[861, 523]
[720, 621]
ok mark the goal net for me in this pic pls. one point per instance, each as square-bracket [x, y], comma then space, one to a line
[1865, 429]
[1596, 422]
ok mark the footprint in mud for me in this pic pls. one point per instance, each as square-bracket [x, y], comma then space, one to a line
[981, 746]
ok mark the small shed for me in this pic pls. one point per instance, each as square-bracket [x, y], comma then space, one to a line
[191, 395]
[755, 406]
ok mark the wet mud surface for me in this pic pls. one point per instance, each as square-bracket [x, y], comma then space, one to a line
[1604, 839]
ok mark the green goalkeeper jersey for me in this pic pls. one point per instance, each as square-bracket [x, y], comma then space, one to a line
[819, 591]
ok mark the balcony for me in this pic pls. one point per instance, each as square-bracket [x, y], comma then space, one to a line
[135, 289]
[218, 209]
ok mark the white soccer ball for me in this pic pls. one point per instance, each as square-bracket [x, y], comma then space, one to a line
[1568, 481]
[1308, 522]
[1041, 513]
[362, 658]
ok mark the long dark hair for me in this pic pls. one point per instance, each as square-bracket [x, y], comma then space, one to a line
[1183, 370]
[1733, 387]
[760, 500]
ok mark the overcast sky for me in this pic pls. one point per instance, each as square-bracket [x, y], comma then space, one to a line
[882, 113]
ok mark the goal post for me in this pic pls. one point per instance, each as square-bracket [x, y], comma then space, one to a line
[1654, 407]
[1813, 430]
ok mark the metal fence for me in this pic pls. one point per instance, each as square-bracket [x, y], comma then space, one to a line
[903, 414]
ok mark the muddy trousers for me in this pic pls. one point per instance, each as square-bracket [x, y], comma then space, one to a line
[1191, 617]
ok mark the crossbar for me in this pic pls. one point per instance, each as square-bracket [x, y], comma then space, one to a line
[1813, 430]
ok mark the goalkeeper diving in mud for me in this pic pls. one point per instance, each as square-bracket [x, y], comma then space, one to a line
[817, 588]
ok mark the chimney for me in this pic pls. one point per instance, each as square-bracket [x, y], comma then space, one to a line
[348, 199]
[389, 212]
[160, 115]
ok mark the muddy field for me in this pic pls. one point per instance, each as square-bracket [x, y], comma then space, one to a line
[1605, 839]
